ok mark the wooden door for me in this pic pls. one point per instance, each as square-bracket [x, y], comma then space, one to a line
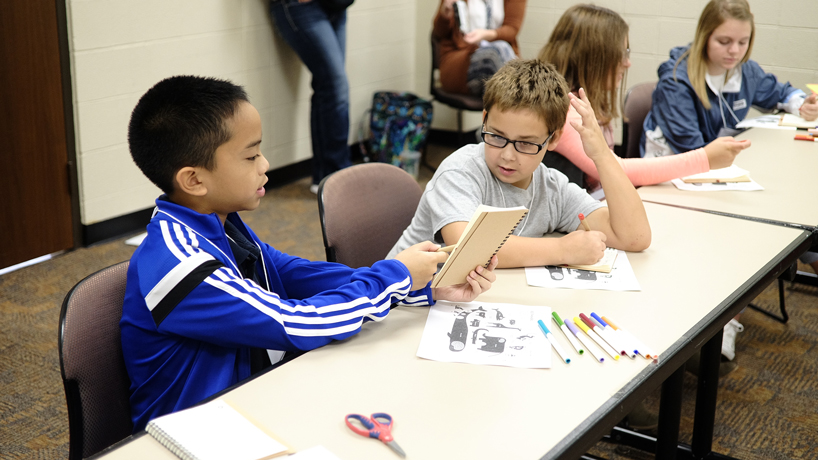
[36, 213]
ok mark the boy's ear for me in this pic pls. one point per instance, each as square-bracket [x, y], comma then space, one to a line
[552, 144]
[188, 181]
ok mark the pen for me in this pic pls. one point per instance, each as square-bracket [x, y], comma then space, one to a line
[643, 349]
[554, 343]
[585, 341]
[618, 344]
[594, 332]
[568, 334]
[448, 249]
[596, 338]
[584, 224]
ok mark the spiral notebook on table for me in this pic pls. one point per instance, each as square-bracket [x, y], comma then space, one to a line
[485, 234]
[214, 430]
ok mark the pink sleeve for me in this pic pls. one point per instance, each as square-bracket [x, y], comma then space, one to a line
[641, 171]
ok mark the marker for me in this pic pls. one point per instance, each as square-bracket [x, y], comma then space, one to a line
[596, 338]
[609, 334]
[805, 137]
[589, 329]
[568, 334]
[554, 343]
[585, 341]
[625, 341]
[584, 224]
[643, 349]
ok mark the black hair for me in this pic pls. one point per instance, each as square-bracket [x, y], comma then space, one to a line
[180, 122]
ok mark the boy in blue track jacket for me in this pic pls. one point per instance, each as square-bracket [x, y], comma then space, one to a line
[205, 298]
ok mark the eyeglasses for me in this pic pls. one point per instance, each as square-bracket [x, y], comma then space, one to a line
[528, 148]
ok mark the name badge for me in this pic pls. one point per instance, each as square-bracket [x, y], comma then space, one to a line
[739, 104]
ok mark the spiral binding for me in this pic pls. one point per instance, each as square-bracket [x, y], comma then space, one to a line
[485, 265]
[169, 442]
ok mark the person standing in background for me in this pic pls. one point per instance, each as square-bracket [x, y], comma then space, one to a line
[316, 31]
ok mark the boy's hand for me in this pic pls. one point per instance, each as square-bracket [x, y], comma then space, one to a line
[421, 260]
[722, 152]
[583, 247]
[593, 142]
[478, 281]
[809, 109]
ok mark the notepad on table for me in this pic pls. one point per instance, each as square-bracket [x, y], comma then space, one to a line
[789, 119]
[605, 264]
[485, 234]
[214, 430]
[731, 173]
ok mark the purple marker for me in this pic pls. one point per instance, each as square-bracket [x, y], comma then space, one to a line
[585, 340]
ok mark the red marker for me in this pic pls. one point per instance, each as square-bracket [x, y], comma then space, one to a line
[805, 137]
[585, 224]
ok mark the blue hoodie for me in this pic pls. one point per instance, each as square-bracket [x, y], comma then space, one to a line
[686, 124]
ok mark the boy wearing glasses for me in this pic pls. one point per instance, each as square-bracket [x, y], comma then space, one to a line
[525, 107]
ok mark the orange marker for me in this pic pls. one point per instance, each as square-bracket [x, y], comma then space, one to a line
[805, 137]
[584, 224]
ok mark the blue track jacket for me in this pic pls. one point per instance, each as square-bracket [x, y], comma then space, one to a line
[189, 318]
[686, 124]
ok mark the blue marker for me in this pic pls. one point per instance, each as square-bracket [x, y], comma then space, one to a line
[554, 343]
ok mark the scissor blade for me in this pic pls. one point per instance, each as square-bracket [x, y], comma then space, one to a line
[396, 448]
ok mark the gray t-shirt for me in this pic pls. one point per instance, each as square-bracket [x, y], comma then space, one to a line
[463, 182]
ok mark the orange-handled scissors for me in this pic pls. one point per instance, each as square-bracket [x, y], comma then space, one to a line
[378, 426]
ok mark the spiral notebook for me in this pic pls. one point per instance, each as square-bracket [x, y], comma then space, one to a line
[214, 430]
[485, 234]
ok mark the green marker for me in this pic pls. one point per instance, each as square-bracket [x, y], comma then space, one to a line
[567, 333]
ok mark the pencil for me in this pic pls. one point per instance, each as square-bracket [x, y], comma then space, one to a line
[448, 249]
[584, 224]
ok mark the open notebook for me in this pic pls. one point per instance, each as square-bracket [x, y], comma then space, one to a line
[214, 431]
[485, 234]
[604, 265]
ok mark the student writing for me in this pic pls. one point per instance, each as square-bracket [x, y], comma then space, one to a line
[525, 107]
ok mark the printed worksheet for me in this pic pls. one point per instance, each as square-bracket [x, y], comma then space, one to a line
[486, 333]
[621, 277]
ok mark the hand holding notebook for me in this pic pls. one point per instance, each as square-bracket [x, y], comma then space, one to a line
[485, 234]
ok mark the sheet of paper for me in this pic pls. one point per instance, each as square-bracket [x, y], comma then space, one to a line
[136, 240]
[605, 264]
[621, 277]
[498, 334]
[717, 186]
[313, 453]
[764, 121]
[813, 87]
[794, 120]
[722, 173]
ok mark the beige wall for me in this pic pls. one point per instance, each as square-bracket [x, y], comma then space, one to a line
[119, 48]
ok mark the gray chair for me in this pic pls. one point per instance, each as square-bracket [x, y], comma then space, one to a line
[97, 386]
[638, 101]
[457, 101]
[364, 209]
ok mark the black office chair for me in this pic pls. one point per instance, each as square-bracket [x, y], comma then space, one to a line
[93, 369]
[638, 101]
[457, 101]
[364, 209]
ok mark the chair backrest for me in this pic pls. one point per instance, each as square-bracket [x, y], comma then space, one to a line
[364, 209]
[93, 369]
[638, 100]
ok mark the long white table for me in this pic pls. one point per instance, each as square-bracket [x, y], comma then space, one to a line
[699, 271]
[785, 167]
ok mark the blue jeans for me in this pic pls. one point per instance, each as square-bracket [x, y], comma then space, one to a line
[319, 39]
